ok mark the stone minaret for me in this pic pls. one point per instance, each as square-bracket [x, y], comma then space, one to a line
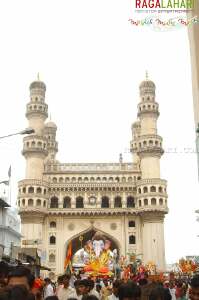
[52, 145]
[150, 143]
[32, 198]
[35, 146]
[151, 190]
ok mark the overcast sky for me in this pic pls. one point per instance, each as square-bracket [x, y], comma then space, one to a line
[92, 61]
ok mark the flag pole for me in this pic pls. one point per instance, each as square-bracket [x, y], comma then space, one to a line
[9, 186]
[9, 189]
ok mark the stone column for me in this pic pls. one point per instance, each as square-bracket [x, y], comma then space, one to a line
[112, 200]
[73, 202]
[124, 200]
[153, 239]
[60, 200]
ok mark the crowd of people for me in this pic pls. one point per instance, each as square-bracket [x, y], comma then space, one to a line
[20, 284]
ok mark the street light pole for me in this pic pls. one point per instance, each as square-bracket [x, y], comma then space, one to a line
[197, 146]
[25, 131]
[7, 182]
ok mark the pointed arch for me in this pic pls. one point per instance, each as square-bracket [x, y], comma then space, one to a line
[93, 229]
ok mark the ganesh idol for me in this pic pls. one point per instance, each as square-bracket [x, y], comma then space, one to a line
[99, 260]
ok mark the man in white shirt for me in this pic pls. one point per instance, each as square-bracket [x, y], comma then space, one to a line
[115, 289]
[93, 291]
[84, 287]
[48, 289]
[172, 291]
[66, 291]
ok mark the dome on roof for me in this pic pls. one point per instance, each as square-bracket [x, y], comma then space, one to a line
[51, 124]
[147, 84]
[38, 85]
[136, 124]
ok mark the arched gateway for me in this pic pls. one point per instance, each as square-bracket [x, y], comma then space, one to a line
[93, 251]
[87, 235]
[124, 201]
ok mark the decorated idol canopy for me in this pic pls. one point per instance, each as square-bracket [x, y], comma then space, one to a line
[96, 257]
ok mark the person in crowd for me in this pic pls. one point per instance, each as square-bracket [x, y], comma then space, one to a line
[98, 288]
[59, 283]
[166, 284]
[178, 292]
[4, 270]
[160, 293]
[181, 289]
[147, 288]
[37, 289]
[129, 291]
[115, 290]
[66, 291]
[48, 288]
[72, 280]
[143, 282]
[93, 291]
[84, 287]
[172, 290]
[77, 291]
[106, 290]
[89, 297]
[21, 276]
[194, 288]
[17, 292]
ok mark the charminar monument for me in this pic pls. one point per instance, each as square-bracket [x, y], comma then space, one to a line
[67, 203]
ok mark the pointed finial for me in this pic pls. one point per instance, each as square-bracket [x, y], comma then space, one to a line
[121, 158]
[147, 75]
[38, 78]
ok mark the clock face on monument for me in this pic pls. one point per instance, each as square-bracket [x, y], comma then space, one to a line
[92, 200]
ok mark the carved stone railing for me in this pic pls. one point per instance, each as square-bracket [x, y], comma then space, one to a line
[151, 181]
[36, 182]
[92, 184]
[91, 167]
[107, 211]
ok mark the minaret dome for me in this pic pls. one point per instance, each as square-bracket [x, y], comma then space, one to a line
[51, 124]
[147, 87]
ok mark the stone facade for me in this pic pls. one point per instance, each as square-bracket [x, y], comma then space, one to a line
[126, 202]
[9, 227]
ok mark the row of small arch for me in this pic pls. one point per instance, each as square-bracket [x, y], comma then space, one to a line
[34, 144]
[31, 202]
[74, 179]
[152, 201]
[148, 98]
[145, 189]
[38, 190]
[79, 202]
[36, 99]
[151, 189]
[32, 190]
[50, 137]
[42, 107]
[52, 144]
[149, 143]
[144, 107]
[105, 202]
